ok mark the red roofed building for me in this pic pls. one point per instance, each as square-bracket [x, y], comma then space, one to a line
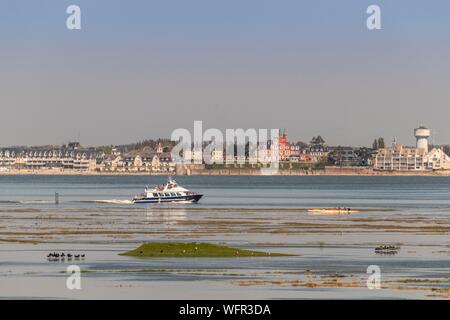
[284, 147]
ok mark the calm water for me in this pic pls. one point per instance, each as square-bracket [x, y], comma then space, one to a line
[411, 194]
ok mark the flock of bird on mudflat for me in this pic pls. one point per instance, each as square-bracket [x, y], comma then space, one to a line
[54, 256]
[387, 249]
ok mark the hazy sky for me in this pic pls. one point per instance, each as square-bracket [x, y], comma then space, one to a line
[140, 69]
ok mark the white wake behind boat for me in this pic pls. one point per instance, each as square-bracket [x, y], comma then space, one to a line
[171, 191]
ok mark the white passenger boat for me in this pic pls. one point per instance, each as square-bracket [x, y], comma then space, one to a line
[171, 191]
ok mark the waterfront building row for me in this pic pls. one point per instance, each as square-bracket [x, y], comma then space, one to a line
[88, 160]
[38, 159]
[316, 151]
[401, 158]
[419, 158]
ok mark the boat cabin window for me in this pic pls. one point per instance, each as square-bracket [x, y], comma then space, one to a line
[155, 194]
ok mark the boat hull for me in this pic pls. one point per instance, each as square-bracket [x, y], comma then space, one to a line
[181, 199]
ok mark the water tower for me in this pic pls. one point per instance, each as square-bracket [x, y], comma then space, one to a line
[422, 134]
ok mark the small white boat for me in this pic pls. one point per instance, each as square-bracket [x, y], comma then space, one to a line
[171, 191]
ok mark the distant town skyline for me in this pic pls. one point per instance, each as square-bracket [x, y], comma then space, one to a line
[142, 69]
[386, 142]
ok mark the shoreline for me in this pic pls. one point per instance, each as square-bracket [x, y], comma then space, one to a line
[364, 172]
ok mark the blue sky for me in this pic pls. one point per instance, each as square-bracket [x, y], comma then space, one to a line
[140, 69]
